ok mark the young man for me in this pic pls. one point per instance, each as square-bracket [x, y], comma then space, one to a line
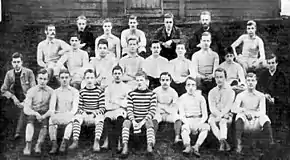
[132, 63]
[36, 107]
[167, 109]
[250, 106]
[253, 52]
[116, 104]
[274, 84]
[16, 83]
[221, 99]
[169, 35]
[193, 113]
[102, 64]
[50, 50]
[91, 110]
[133, 32]
[205, 62]
[63, 107]
[235, 72]
[77, 61]
[154, 65]
[113, 41]
[141, 108]
[181, 68]
[206, 26]
[86, 36]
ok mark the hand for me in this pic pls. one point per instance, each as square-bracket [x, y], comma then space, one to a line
[82, 45]
[135, 124]
[198, 45]
[16, 101]
[166, 45]
[169, 42]
[249, 117]
[38, 116]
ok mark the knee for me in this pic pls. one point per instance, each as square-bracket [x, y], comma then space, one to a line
[205, 127]
[127, 124]
[107, 120]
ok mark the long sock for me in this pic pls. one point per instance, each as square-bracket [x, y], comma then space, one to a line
[68, 131]
[239, 128]
[155, 124]
[201, 137]
[52, 132]
[125, 134]
[107, 126]
[29, 132]
[215, 130]
[150, 135]
[99, 130]
[223, 130]
[76, 129]
[185, 137]
[117, 130]
[177, 127]
[42, 134]
[267, 127]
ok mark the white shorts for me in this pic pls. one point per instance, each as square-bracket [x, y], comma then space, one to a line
[89, 118]
[190, 126]
[55, 67]
[114, 114]
[248, 62]
[61, 118]
[256, 124]
[213, 119]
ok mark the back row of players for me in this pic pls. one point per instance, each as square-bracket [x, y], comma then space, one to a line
[117, 91]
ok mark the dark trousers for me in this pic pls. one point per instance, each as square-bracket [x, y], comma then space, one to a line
[178, 87]
[113, 129]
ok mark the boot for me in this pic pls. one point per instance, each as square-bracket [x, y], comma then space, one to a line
[106, 144]
[150, 148]
[74, 145]
[37, 148]
[27, 149]
[177, 139]
[124, 153]
[227, 146]
[96, 147]
[239, 146]
[187, 150]
[53, 148]
[222, 146]
[63, 145]
[196, 150]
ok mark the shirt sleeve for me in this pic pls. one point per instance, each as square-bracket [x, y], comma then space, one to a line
[130, 109]
[152, 109]
[142, 42]
[261, 49]
[101, 103]
[40, 57]
[123, 39]
[238, 41]
[237, 104]
[5, 87]
[81, 104]
[212, 105]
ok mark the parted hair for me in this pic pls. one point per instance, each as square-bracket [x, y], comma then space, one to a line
[64, 71]
[103, 41]
[219, 69]
[42, 71]
[165, 74]
[117, 67]
[141, 73]
[17, 55]
[90, 71]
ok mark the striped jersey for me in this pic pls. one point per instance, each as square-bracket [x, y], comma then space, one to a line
[141, 104]
[92, 100]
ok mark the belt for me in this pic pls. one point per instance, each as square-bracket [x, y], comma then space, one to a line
[192, 116]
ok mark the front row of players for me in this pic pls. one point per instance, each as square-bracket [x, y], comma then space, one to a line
[127, 110]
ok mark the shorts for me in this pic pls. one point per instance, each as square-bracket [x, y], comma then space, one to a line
[61, 118]
[212, 119]
[32, 119]
[114, 114]
[161, 116]
[255, 124]
[191, 126]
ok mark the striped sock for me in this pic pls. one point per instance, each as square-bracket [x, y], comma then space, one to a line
[76, 130]
[150, 136]
[125, 134]
[99, 130]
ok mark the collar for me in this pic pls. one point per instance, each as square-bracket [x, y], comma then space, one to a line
[20, 71]
[255, 92]
[105, 35]
[225, 86]
[132, 56]
[272, 73]
[42, 89]
[52, 41]
[172, 31]
[68, 88]
[181, 58]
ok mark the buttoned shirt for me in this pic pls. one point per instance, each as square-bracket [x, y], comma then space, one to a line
[181, 68]
[132, 64]
[221, 98]
[127, 33]
[234, 72]
[38, 98]
[205, 62]
[48, 51]
[114, 45]
[154, 66]
[65, 100]
[251, 46]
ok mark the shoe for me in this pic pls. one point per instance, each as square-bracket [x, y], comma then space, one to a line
[63, 145]
[222, 146]
[74, 145]
[196, 151]
[227, 146]
[177, 139]
[53, 148]
[150, 148]
[16, 136]
[186, 151]
[37, 148]
[96, 147]
[106, 144]
[239, 149]
[27, 149]
[124, 153]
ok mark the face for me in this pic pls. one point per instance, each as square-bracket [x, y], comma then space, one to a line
[190, 86]
[133, 45]
[90, 79]
[74, 42]
[16, 63]
[81, 23]
[103, 50]
[42, 79]
[141, 81]
[229, 57]
[272, 64]
[180, 49]
[168, 22]
[50, 32]
[117, 74]
[155, 48]
[107, 27]
[133, 24]
[205, 20]
[220, 78]
[251, 30]
[165, 81]
[64, 79]
[251, 82]
[205, 42]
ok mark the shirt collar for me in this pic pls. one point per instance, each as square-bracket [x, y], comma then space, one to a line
[50, 41]
[132, 56]
[272, 73]
[109, 35]
[42, 89]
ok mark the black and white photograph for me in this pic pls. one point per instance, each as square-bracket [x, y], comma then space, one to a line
[145, 79]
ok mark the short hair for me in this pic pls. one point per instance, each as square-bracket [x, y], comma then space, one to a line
[42, 71]
[251, 22]
[206, 34]
[251, 75]
[271, 56]
[117, 67]
[154, 42]
[49, 25]
[107, 20]
[64, 71]
[103, 41]
[82, 17]
[90, 71]
[205, 13]
[133, 38]
[229, 50]
[75, 34]
[181, 43]
[219, 69]
[168, 15]
[141, 74]
[17, 55]
[165, 74]
[190, 78]
[133, 17]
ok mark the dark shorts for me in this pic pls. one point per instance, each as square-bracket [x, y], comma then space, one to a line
[32, 119]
